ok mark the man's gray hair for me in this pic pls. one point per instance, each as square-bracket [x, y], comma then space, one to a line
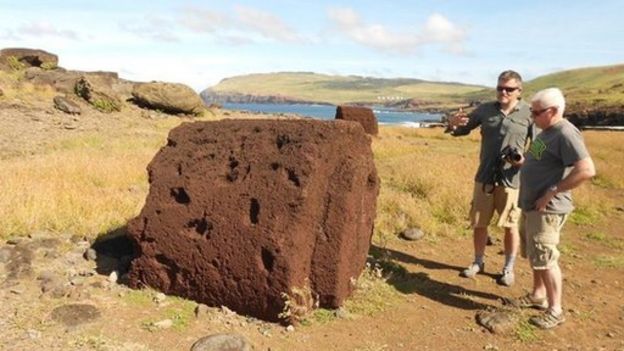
[550, 97]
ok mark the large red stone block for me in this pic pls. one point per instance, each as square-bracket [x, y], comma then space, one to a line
[241, 212]
[362, 115]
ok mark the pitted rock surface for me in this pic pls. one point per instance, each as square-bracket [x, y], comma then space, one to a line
[363, 115]
[241, 211]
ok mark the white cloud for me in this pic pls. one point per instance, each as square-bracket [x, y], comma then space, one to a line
[204, 21]
[266, 24]
[155, 28]
[39, 29]
[437, 30]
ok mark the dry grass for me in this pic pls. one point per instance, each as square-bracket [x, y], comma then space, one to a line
[93, 183]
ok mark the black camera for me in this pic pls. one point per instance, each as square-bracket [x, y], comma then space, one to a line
[510, 153]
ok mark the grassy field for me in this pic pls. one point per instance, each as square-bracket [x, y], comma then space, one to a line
[92, 183]
[342, 89]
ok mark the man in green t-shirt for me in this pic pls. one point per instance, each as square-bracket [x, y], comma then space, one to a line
[504, 123]
[557, 161]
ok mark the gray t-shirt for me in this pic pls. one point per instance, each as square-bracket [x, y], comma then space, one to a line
[498, 131]
[550, 159]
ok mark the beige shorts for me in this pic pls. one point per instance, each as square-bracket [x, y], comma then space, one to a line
[539, 236]
[502, 200]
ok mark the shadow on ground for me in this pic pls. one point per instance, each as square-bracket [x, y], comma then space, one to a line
[113, 252]
[421, 283]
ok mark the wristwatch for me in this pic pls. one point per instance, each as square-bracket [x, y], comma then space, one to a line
[553, 188]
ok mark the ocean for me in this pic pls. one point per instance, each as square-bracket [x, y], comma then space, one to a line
[327, 112]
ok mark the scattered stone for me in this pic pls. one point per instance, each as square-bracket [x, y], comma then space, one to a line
[222, 342]
[611, 334]
[412, 234]
[75, 314]
[497, 322]
[159, 297]
[113, 277]
[164, 324]
[19, 264]
[66, 105]
[5, 254]
[90, 254]
[33, 334]
[201, 310]
[290, 328]
[14, 241]
[342, 313]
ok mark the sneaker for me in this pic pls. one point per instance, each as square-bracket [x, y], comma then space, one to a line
[507, 278]
[547, 320]
[472, 270]
[527, 301]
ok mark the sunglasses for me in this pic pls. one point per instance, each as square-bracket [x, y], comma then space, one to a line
[536, 113]
[506, 89]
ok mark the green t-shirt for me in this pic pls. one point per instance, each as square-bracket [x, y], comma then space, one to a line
[498, 131]
[550, 159]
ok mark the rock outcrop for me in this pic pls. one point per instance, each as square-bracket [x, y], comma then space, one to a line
[20, 58]
[250, 214]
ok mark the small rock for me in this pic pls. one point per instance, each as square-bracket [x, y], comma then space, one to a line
[14, 241]
[113, 277]
[164, 324]
[222, 342]
[201, 310]
[75, 314]
[5, 254]
[611, 334]
[90, 254]
[341, 313]
[159, 297]
[33, 334]
[290, 328]
[412, 234]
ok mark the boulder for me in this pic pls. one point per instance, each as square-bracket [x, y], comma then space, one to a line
[171, 98]
[363, 115]
[250, 214]
[23, 58]
[99, 97]
[66, 105]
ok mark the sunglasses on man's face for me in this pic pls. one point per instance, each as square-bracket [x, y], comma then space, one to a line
[508, 90]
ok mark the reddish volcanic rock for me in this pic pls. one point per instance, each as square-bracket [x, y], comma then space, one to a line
[241, 211]
[363, 115]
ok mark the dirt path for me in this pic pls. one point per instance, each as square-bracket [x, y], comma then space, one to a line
[434, 308]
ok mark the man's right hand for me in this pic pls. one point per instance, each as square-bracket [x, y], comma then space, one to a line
[459, 118]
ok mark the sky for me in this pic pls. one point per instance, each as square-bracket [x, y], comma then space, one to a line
[199, 43]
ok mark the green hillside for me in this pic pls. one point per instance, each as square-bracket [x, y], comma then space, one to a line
[343, 89]
[592, 88]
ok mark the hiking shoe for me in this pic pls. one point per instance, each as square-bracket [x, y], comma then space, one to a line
[547, 320]
[507, 278]
[472, 270]
[527, 301]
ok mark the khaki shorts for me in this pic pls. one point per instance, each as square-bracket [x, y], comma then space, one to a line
[539, 237]
[502, 200]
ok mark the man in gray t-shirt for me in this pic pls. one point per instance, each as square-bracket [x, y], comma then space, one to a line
[504, 123]
[557, 162]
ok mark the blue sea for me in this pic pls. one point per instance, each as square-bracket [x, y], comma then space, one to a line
[327, 112]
